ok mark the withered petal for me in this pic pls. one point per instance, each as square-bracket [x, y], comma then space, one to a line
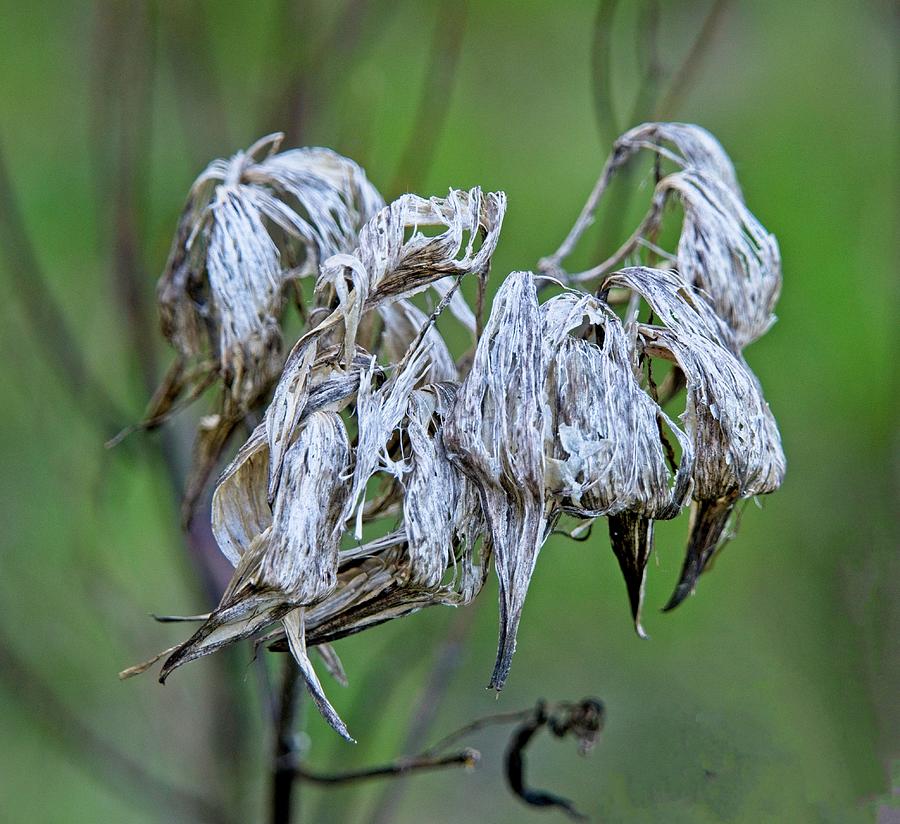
[296, 638]
[387, 265]
[301, 558]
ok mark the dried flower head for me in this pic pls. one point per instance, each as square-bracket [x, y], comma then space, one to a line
[468, 461]
[252, 226]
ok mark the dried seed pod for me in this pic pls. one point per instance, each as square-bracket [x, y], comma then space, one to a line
[308, 515]
[240, 503]
[737, 447]
[495, 434]
[604, 439]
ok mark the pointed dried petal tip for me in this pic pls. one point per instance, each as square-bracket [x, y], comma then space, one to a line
[296, 637]
[495, 435]
[631, 537]
[709, 520]
[234, 620]
[737, 445]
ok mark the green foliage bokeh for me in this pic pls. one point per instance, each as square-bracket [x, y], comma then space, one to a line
[769, 696]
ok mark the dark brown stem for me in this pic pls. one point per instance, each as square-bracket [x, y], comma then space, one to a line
[128, 187]
[284, 766]
[401, 767]
[479, 724]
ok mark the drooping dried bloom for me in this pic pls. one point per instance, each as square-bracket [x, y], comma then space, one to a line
[607, 446]
[736, 442]
[252, 226]
[723, 249]
[461, 460]
[725, 252]
[495, 434]
[386, 267]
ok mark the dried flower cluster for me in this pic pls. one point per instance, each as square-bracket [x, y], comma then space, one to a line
[456, 463]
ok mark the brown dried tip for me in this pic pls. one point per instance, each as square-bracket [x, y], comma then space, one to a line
[631, 537]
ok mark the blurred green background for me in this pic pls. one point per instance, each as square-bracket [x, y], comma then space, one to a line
[770, 696]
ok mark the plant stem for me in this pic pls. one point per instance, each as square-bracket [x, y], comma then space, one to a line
[402, 766]
[284, 761]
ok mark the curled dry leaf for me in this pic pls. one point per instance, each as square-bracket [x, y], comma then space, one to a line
[388, 265]
[723, 249]
[725, 252]
[687, 144]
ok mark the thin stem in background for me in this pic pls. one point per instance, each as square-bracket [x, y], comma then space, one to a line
[289, 108]
[284, 760]
[109, 765]
[296, 102]
[688, 72]
[185, 42]
[652, 74]
[650, 65]
[647, 50]
[434, 103]
[445, 664]
[131, 38]
[134, 95]
[601, 66]
[49, 326]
